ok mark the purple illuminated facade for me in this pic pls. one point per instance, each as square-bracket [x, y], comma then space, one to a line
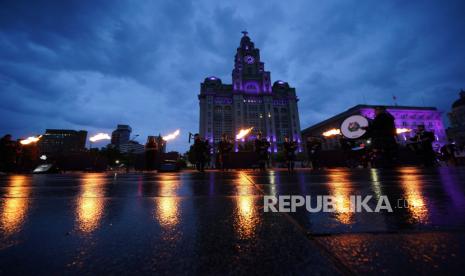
[250, 101]
[406, 117]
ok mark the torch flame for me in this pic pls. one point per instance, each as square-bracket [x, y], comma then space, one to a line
[30, 140]
[402, 130]
[243, 132]
[332, 132]
[171, 136]
[99, 136]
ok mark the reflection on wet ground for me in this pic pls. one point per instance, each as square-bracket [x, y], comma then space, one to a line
[214, 223]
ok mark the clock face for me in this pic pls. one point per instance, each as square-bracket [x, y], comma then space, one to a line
[249, 59]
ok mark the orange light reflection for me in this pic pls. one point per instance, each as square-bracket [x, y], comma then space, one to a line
[15, 205]
[90, 203]
[167, 206]
[341, 189]
[411, 185]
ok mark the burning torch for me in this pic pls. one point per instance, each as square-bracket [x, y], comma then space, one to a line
[332, 132]
[243, 133]
[171, 136]
[30, 140]
[98, 137]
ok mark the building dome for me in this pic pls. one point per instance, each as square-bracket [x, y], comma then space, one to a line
[212, 80]
[281, 83]
[460, 102]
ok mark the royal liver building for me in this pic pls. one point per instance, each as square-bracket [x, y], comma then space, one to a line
[250, 101]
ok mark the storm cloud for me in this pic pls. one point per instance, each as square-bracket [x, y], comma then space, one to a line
[93, 64]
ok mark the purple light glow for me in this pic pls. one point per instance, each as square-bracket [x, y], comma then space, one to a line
[252, 87]
[411, 118]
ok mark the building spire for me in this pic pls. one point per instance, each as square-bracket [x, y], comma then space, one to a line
[244, 33]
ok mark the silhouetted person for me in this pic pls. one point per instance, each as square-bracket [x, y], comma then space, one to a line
[207, 152]
[425, 141]
[200, 153]
[313, 145]
[151, 150]
[289, 148]
[347, 152]
[382, 131]
[448, 153]
[8, 154]
[225, 148]
[261, 148]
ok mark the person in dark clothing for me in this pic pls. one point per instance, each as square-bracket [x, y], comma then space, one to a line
[424, 140]
[382, 131]
[313, 152]
[347, 152]
[200, 153]
[289, 148]
[225, 148]
[207, 152]
[261, 148]
[448, 152]
[151, 150]
[8, 154]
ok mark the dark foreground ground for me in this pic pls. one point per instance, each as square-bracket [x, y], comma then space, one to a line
[213, 223]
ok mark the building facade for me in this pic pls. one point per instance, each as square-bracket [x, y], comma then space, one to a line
[131, 147]
[250, 101]
[59, 141]
[120, 136]
[456, 131]
[406, 117]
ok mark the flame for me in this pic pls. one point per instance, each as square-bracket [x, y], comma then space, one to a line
[332, 132]
[30, 140]
[171, 136]
[243, 132]
[99, 136]
[402, 130]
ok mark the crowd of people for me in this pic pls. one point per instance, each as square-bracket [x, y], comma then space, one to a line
[384, 148]
[382, 153]
[201, 152]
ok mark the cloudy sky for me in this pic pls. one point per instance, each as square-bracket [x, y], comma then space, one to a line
[93, 64]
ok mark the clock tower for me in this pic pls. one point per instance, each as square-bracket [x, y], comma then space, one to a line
[249, 72]
[251, 100]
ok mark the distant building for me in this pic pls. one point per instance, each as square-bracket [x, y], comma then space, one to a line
[57, 141]
[132, 147]
[456, 130]
[406, 117]
[157, 142]
[120, 136]
[250, 101]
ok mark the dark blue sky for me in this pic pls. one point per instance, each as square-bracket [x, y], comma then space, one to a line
[93, 64]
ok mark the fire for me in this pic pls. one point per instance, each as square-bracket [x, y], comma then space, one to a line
[402, 130]
[30, 140]
[100, 136]
[243, 132]
[332, 132]
[171, 136]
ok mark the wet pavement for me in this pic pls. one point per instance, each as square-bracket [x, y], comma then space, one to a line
[214, 223]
